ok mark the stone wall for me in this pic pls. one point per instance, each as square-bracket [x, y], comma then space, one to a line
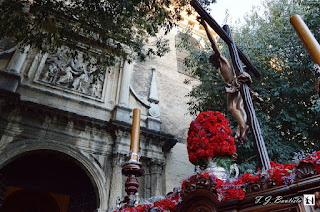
[63, 101]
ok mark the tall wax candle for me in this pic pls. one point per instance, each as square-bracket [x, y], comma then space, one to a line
[307, 37]
[135, 134]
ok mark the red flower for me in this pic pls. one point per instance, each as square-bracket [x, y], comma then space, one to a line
[209, 136]
[249, 178]
[280, 172]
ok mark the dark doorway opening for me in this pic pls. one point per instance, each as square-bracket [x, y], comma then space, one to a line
[46, 181]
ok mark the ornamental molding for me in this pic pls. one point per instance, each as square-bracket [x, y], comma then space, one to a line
[196, 182]
[61, 115]
[199, 188]
[305, 169]
[164, 140]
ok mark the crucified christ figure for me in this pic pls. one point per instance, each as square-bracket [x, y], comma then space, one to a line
[234, 99]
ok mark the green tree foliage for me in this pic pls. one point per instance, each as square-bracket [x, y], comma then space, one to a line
[288, 118]
[106, 27]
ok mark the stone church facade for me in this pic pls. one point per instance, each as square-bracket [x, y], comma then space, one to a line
[65, 127]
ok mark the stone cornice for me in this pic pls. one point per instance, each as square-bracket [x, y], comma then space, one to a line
[167, 141]
[62, 114]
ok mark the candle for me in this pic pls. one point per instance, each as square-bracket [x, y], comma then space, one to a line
[307, 37]
[135, 133]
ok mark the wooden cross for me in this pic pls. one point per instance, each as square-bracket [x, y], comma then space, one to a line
[236, 54]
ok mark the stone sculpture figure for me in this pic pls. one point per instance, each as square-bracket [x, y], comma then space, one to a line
[85, 79]
[96, 88]
[234, 99]
[70, 69]
[54, 68]
[80, 82]
[67, 77]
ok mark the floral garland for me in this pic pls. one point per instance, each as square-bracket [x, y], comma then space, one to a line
[209, 136]
[279, 174]
[315, 159]
[170, 203]
[232, 188]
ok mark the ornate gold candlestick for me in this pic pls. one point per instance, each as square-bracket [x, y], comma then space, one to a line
[133, 167]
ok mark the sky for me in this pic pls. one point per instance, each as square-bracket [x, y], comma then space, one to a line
[236, 9]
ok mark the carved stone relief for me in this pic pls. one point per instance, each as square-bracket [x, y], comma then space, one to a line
[73, 74]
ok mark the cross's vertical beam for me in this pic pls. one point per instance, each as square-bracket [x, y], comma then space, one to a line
[215, 26]
[248, 105]
[236, 55]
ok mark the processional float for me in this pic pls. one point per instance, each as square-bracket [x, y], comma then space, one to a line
[133, 168]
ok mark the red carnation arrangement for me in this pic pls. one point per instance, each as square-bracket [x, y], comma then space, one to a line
[209, 136]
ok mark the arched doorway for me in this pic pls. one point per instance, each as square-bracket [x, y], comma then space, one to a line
[44, 180]
[24, 200]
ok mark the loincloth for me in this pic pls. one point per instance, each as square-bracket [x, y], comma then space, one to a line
[236, 83]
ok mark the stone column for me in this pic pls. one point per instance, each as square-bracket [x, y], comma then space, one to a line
[10, 78]
[125, 82]
[156, 171]
[122, 111]
[147, 180]
[116, 186]
[19, 59]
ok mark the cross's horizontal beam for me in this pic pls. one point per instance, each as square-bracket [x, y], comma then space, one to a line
[215, 26]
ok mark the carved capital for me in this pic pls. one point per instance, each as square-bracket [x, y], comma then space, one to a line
[156, 169]
[156, 166]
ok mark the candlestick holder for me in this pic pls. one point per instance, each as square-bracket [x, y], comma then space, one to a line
[132, 169]
[134, 157]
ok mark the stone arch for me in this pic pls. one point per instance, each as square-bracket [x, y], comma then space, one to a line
[94, 172]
